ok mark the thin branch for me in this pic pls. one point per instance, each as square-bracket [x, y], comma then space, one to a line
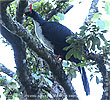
[68, 9]
[6, 71]
[56, 10]
[93, 9]
[20, 10]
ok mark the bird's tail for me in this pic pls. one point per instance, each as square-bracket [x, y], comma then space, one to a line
[84, 80]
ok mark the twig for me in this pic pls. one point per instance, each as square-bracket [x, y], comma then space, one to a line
[6, 71]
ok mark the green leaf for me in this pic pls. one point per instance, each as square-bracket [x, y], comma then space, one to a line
[69, 53]
[107, 24]
[88, 43]
[82, 33]
[71, 0]
[56, 17]
[29, 18]
[93, 44]
[70, 40]
[73, 73]
[95, 17]
[94, 26]
[81, 64]
[102, 36]
[90, 69]
[98, 43]
[83, 28]
[34, 69]
[43, 97]
[104, 31]
[45, 91]
[66, 48]
[36, 4]
[95, 41]
[107, 8]
[61, 16]
[96, 71]
[86, 24]
[97, 80]
[91, 77]
[77, 54]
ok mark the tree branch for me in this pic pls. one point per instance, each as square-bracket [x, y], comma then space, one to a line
[106, 87]
[20, 10]
[6, 71]
[4, 5]
[20, 60]
[93, 9]
[56, 10]
[68, 9]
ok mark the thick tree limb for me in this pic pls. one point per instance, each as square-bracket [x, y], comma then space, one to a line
[57, 71]
[20, 60]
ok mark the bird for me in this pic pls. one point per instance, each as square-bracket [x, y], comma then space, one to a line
[53, 36]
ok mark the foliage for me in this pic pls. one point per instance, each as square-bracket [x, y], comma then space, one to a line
[92, 35]
[107, 7]
[11, 88]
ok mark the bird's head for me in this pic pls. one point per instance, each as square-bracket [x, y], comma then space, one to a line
[33, 14]
[29, 11]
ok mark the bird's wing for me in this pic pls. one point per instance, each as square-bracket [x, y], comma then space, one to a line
[56, 33]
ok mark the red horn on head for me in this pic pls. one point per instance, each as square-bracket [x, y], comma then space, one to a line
[30, 9]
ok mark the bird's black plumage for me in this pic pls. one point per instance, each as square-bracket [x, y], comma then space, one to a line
[56, 34]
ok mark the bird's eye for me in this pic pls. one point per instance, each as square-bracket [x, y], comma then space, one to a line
[27, 9]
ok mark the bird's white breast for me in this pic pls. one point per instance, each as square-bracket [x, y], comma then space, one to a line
[40, 36]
